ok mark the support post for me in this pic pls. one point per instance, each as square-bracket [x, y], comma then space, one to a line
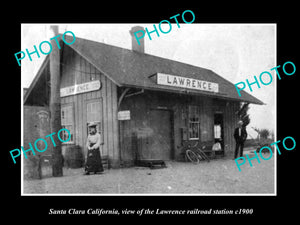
[54, 105]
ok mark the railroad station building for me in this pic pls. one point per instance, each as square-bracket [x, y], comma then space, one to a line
[145, 107]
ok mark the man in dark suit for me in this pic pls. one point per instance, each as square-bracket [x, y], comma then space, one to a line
[240, 136]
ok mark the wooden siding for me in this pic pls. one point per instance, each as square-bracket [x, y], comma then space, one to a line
[206, 120]
[77, 70]
[139, 129]
[230, 123]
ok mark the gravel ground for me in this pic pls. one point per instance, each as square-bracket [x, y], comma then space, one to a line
[218, 176]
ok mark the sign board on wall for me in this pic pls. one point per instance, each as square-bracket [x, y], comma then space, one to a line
[124, 115]
[184, 82]
[80, 88]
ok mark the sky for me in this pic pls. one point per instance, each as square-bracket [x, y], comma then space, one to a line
[234, 51]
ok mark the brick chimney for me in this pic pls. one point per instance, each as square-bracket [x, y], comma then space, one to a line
[134, 44]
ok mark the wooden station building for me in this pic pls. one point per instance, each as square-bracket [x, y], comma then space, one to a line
[146, 107]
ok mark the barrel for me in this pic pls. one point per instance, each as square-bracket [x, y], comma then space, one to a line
[74, 157]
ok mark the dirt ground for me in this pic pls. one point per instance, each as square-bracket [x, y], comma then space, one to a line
[219, 176]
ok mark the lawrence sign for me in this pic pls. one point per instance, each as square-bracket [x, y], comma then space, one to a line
[80, 88]
[184, 82]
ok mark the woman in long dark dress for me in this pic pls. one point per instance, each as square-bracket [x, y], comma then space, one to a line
[93, 161]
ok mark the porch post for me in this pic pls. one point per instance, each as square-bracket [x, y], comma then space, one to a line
[54, 105]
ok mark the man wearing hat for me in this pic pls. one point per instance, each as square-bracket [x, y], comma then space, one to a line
[240, 136]
[93, 161]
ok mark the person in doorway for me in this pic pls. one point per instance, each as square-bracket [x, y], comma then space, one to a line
[93, 161]
[240, 136]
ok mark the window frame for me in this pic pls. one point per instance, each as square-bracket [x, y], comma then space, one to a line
[217, 131]
[71, 123]
[196, 115]
[97, 120]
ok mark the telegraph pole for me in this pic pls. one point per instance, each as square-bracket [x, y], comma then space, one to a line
[54, 105]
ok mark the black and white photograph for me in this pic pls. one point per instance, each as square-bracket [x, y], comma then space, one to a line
[143, 109]
[149, 112]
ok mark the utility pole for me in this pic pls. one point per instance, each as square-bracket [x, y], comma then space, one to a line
[54, 105]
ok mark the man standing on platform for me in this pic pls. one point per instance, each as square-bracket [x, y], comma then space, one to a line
[240, 136]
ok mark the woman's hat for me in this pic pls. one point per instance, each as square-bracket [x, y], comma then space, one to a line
[92, 124]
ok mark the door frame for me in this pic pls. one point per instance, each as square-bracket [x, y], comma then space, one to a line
[222, 128]
[101, 121]
[172, 141]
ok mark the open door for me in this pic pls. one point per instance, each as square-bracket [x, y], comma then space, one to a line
[219, 131]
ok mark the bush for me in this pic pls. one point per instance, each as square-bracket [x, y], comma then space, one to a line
[264, 142]
[264, 133]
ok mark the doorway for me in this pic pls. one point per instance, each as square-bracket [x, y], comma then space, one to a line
[161, 141]
[219, 129]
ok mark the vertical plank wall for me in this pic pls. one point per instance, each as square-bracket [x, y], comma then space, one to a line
[140, 105]
[76, 70]
[230, 122]
[206, 120]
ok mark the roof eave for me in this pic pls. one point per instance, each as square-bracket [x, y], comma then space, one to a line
[187, 91]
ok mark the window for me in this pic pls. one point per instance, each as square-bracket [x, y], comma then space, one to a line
[93, 114]
[67, 121]
[218, 125]
[217, 131]
[194, 122]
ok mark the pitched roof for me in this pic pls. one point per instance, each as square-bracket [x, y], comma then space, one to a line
[127, 68]
[134, 69]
